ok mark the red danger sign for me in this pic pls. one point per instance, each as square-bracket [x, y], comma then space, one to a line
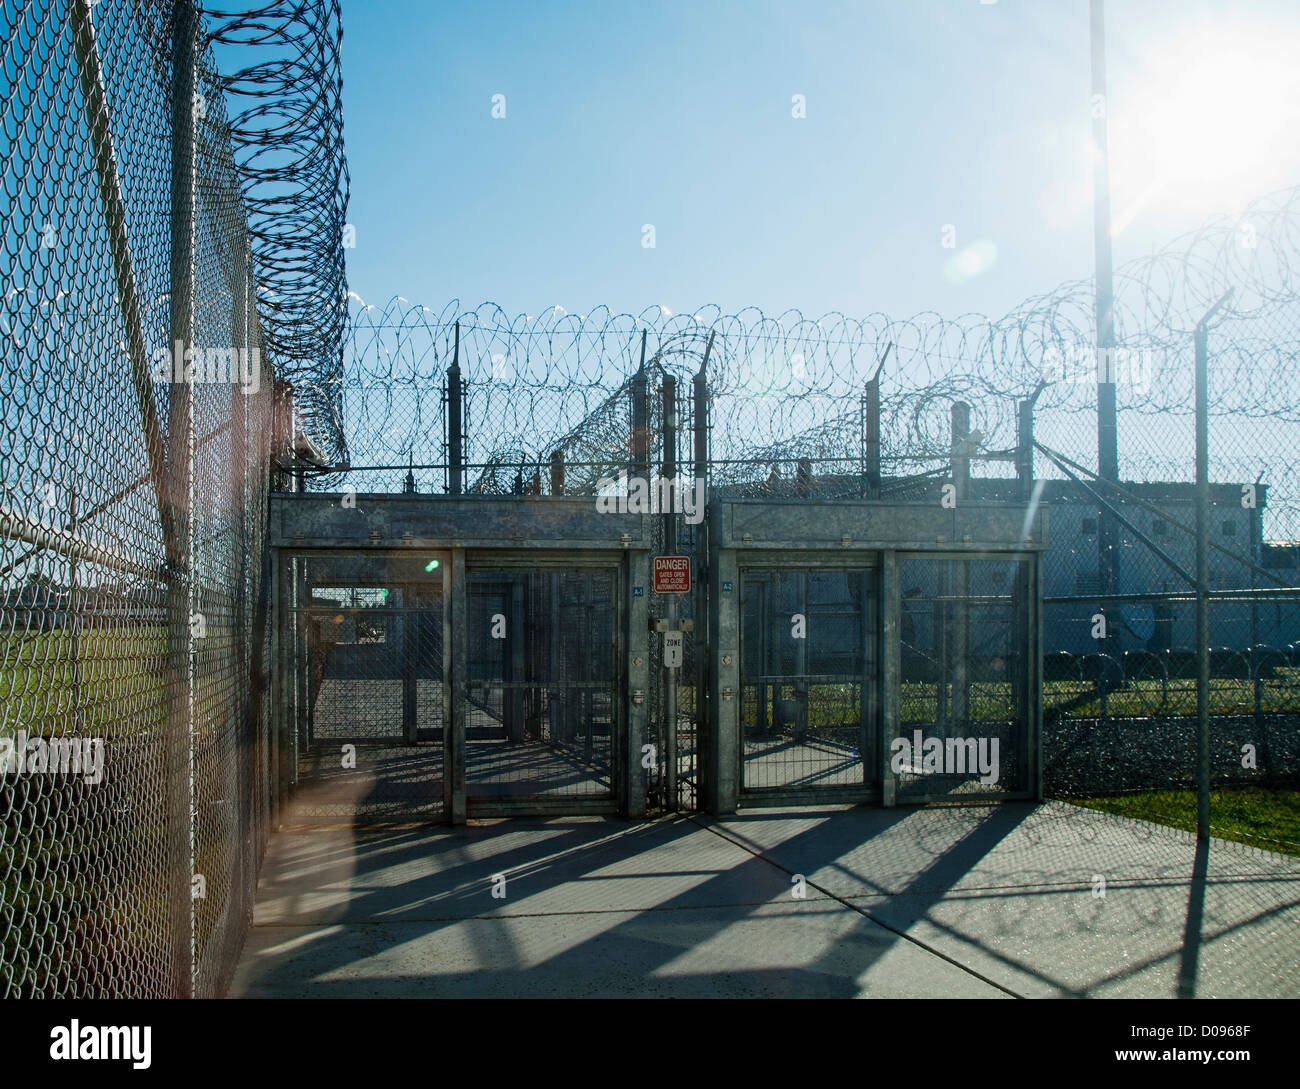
[672, 574]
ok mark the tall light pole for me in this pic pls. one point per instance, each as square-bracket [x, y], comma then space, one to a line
[1107, 421]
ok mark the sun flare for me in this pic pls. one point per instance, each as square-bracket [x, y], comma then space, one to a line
[1210, 120]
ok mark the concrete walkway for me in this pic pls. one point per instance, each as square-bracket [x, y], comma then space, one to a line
[980, 901]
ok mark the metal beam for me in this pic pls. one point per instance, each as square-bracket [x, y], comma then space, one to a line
[1155, 548]
[633, 784]
[454, 793]
[98, 123]
[724, 695]
[178, 508]
[1151, 508]
[1202, 337]
[890, 673]
[16, 526]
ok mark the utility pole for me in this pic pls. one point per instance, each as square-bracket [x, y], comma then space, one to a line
[1107, 414]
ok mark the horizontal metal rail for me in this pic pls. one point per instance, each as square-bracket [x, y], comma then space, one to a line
[17, 526]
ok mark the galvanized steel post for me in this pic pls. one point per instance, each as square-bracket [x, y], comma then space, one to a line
[455, 425]
[180, 486]
[1203, 571]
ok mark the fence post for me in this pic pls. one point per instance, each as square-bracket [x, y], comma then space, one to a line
[180, 485]
[871, 428]
[960, 456]
[958, 612]
[260, 663]
[803, 476]
[1025, 443]
[669, 517]
[243, 771]
[455, 451]
[891, 672]
[871, 438]
[668, 455]
[557, 472]
[1203, 572]
[1108, 575]
[640, 418]
[700, 389]
[1028, 650]
[703, 638]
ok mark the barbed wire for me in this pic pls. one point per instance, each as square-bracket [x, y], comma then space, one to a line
[789, 386]
[288, 141]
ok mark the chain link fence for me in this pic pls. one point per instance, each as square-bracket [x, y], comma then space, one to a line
[1005, 409]
[138, 388]
[139, 773]
[1121, 672]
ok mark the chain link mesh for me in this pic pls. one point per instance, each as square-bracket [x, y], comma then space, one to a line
[792, 415]
[135, 789]
[138, 782]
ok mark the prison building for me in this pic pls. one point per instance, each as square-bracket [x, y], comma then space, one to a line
[1072, 585]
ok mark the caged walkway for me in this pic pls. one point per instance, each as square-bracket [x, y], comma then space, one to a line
[972, 901]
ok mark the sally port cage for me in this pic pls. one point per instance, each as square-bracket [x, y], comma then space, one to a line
[459, 656]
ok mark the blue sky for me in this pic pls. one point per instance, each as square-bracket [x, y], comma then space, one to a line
[919, 115]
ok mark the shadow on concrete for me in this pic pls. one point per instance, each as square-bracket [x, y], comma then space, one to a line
[972, 899]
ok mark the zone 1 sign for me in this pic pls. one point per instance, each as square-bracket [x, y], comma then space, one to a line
[673, 649]
[672, 574]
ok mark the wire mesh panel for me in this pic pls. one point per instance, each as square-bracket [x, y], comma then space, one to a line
[541, 711]
[135, 786]
[964, 687]
[809, 678]
[373, 717]
[356, 658]
[1119, 731]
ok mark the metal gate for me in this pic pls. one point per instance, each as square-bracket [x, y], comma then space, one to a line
[809, 679]
[965, 685]
[541, 706]
[370, 693]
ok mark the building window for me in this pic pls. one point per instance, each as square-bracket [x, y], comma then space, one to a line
[1229, 528]
[1090, 527]
[1161, 527]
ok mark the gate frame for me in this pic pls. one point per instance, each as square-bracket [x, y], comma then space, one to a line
[820, 560]
[290, 715]
[749, 532]
[475, 530]
[510, 559]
